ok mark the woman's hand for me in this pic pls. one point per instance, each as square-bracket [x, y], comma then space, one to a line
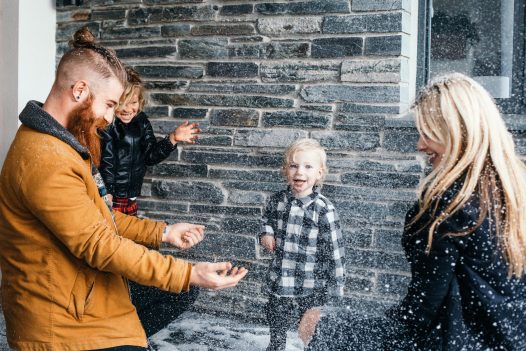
[184, 235]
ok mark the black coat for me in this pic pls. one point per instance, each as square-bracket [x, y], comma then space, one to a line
[126, 151]
[459, 297]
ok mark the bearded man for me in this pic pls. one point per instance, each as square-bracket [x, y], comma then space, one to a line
[65, 257]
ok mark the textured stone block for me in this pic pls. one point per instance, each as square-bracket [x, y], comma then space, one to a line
[189, 113]
[131, 33]
[215, 140]
[156, 111]
[305, 119]
[306, 7]
[380, 5]
[355, 122]
[231, 158]
[165, 85]
[391, 45]
[161, 205]
[268, 137]
[223, 29]
[251, 186]
[179, 170]
[169, 2]
[203, 48]
[246, 197]
[65, 31]
[384, 180]
[222, 245]
[108, 14]
[347, 140]
[155, 15]
[336, 47]
[239, 225]
[366, 108]
[169, 71]
[256, 175]
[389, 239]
[232, 69]
[251, 101]
[375, 71]
[234, 118]
[185, 190]
[175, 30]
[401, 140]
[242, 87]
[289, 25]
[299, 72]
[371, 212]
[352, 93]
[275, 50]
[146, 52]
[236, 10]
[376, 259]
[375, 23]
[226, 210]
[348, 193]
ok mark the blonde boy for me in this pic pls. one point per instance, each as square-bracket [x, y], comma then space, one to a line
[302, 229]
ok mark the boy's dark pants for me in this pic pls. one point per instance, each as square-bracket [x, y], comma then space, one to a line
[157, 308]
[284, 311]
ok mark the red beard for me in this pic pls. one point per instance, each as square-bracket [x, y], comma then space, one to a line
[84, 125]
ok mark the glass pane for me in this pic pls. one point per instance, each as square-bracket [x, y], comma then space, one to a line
[474, 37]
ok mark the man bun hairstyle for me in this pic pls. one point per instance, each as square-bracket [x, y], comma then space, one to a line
[85, 52]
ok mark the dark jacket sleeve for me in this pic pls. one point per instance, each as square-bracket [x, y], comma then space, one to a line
[155, 151]
[107, 162]
[433, 273]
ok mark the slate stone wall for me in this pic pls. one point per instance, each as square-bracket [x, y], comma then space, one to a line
[257, 75]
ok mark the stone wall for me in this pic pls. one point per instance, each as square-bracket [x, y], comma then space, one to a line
[257, 75]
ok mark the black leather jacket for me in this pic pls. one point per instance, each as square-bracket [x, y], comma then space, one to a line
[126, 151]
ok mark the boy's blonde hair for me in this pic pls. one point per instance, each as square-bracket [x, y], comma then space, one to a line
[306, 145]
[133, 85]
[458, 113]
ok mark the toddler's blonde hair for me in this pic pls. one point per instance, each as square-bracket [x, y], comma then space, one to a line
[306, 144]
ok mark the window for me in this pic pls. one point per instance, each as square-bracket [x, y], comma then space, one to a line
[484, 39]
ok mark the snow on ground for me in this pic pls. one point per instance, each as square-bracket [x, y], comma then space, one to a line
[194, 331]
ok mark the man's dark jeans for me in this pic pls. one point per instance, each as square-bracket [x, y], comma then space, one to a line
[157, 308]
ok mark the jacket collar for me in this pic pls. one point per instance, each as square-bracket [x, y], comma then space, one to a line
[306, 200]
[34, 117]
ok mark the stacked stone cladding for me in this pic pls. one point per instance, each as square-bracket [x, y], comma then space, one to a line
[256, 75]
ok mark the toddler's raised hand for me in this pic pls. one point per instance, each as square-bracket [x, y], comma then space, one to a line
[268, 242]
[186, 132]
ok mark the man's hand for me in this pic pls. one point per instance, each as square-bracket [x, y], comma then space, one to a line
[268, 242]
[216, 276]
[184, 235]
[186, 132]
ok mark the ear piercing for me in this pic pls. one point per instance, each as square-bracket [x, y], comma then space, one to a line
[78, 97]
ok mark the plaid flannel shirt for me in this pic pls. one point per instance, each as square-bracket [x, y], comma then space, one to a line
[309, 245]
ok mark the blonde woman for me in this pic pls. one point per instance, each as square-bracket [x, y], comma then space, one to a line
[465, 238]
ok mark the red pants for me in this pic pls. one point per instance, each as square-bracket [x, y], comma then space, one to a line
[125, 205]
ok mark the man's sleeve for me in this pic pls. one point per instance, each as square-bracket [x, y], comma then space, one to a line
[58, 197]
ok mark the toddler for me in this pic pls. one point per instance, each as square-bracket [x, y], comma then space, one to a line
[301, 227]
[129, 145]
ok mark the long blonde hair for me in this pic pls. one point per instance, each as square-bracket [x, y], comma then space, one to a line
[457, 112]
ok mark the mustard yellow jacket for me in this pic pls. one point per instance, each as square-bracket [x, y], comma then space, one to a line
[65, 262]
